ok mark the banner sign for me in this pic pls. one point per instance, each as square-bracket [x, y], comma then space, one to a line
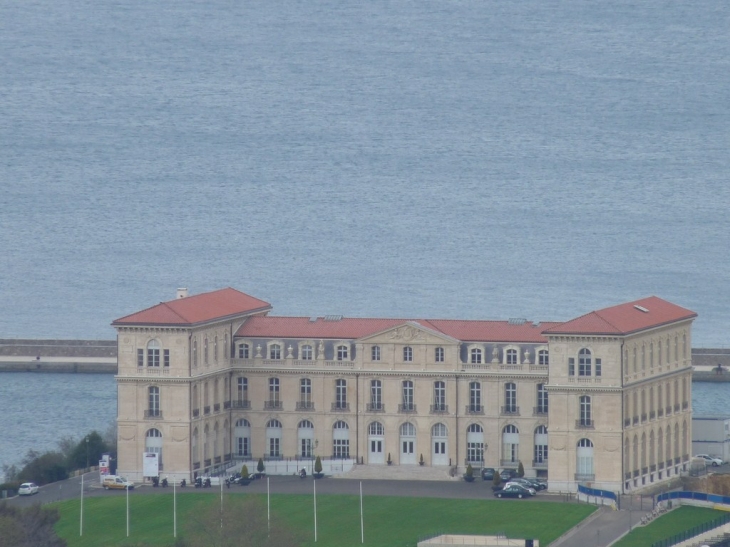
[150, 467]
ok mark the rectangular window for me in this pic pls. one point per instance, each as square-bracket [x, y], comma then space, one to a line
[307, 352]
[542, 399]
[242, 389]
[407, 395]
[439, 355]
[474, 452]
[407, 354]
[306, 448]
[571, 366]
[275, 352]
[342, 353]
[153, 357]
[511, 356]
[543, 357]
[598, 367]
[541, 453]
[475, 397]
[341, 448]
[140, 357]
[243, 446]
[375, 353]
[376, 394]
[439, 396]
[341, 394]
[305, 391]
[274, 390]
[243, 351]
[274, 447]
[166, 357]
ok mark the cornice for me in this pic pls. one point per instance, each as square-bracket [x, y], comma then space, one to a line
[655, 377]
[582, 388]
[152, 379]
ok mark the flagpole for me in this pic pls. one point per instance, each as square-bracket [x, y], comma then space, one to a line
[268, 503]
[127, 489]
[81, 519]
[315, 510]
[174, 510]
[220, 481]
[362, 524]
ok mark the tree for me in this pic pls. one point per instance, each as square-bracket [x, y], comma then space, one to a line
[82, 453]
[43, 468]
[204, 529]
[318, 465]
[469, 471]
[29, 527]
[244, 472]
[520, 470]
[260, 466]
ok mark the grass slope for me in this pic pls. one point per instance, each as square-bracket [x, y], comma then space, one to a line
[389, 521]
[668, 525]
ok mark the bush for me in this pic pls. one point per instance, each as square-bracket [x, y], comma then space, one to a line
[520, 470]
[469, 471]
[260, 466]
[244, 472]
[318, 465]
[43, 468]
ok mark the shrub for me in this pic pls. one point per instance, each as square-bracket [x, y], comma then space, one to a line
[469, 471]
[520, 470]
[318, 465]
[244, 472]
[260, 466]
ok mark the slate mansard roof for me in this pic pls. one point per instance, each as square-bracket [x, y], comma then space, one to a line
[193, 310]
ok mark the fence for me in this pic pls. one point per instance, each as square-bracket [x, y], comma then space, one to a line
[597, 496]
[693, 532]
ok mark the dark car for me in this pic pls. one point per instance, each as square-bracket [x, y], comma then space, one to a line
[507, 474]
[488, 474]
[530, 483]
[513, 491]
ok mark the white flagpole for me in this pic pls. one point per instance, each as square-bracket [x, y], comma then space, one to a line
[127, 489]
[81, 519]
[362, 524]
[174, 510]
[268, 503]
[220, 481]
[314, 482]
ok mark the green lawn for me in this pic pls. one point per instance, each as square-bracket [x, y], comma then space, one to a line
[389, 521]
[668, 525]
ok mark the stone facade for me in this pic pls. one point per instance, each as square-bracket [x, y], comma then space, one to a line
[205, 387]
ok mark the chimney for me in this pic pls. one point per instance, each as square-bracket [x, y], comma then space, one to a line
[182, 293]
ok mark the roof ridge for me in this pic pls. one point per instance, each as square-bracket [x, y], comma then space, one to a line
[607, 321]
[173, 311]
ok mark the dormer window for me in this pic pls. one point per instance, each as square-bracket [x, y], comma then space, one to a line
[342, 353]
[275, 352]
[475, 355]
[307, 352]
[244, 351]
[511, 357]
[543, 357]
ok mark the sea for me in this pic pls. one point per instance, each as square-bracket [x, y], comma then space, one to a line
[419, 159]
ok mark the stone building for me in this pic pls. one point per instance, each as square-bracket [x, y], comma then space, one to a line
[209, 380]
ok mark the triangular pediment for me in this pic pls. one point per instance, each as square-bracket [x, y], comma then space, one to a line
[409, 332]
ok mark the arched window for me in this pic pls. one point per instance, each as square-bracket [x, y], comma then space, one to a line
[153, 396]
[342, 352]
[510, 445]
[273, 438]
[439, 430]
[584, 362]
[196, 402]
[244, 351]
[643, 454]
[376, 428]
[375, 353]
[660, 448]
[242, 434]
[153, 353]
[153, 443]
[586, 417]
[510, 399]
[475, 398]
[305, 436]
[341, 440]
[584, 461]
[407, 354]
[541, 446]
[474, 444]
[206, 447]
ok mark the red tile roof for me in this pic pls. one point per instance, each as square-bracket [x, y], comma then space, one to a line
[625, 318]
[354, 328]
[199, 308]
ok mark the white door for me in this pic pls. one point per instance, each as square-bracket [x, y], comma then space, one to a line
[439, 455]
[407, 444]
[375, 454]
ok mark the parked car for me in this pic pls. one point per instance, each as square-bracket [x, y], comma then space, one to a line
[530, 489]
[488, 473]
[116, 483]
[513, 491]
[710, 460]
[28, 489]
[507, 474]
[537, 485]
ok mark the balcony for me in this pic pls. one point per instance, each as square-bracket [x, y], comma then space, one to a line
[685, 405]
[509, 463]
[340, 407]
[539, 464]
[584, 424]
[196, 412]
[206, 410]
[539, 411]
[627, 422]
[406, 408]
[510, 410]
[635, 420]
[305, 405]
[676, 407]
[153, 414]
[643, 417]
[652, 415]
[660, 412]
[241, 403]
[273, 405]
[584, 477]
[474, 409]
[226, 405]
[217, 407]
[375, 407]
[439, 409]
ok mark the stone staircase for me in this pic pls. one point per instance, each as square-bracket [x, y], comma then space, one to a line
[398, 472]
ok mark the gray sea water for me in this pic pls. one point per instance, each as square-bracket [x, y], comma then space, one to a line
[450, 159]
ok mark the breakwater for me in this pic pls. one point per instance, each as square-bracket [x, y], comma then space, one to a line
[100, 356]
[73, 356]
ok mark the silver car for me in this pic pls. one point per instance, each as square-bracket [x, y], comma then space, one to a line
[28, 489]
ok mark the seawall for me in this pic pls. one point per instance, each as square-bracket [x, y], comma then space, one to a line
[100, 356]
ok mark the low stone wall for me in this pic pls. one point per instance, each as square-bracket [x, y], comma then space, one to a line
[73, 356]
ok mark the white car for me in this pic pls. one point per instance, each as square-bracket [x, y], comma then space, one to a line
[710, 460]
[28, 489]
[531, 490]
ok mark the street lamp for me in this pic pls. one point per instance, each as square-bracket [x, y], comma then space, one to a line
[87, 453]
